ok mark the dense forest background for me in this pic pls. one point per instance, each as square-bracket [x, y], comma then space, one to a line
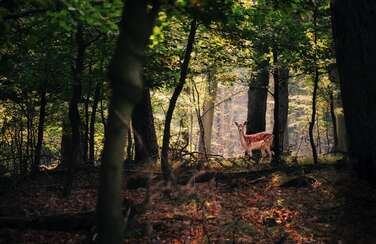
[111, 95]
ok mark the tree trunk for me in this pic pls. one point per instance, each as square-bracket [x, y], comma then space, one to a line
[145, 137]
[314, 95]
[42, 116]
[66, 142]
[183, 73]
[283, 106]
[125, 73]
[208, 114]
[313, 117]
[257, 99]
[85, 138]
[276, 126]
[129, 145]
[355, 37]
[29, 127]
[342, 146]
[97, 93]
[334, 121]
[74, 114]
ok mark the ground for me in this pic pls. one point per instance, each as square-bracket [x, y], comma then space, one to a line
[327, 205]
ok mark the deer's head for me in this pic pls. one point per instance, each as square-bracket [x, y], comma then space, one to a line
[241, 126]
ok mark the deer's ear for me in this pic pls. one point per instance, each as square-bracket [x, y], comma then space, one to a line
[245, 122]
[236, 123]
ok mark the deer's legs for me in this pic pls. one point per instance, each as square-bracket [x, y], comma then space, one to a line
[263, 151]
[269, 151]
[249, 153]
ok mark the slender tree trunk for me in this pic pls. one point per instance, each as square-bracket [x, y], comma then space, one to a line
[257, 99]
[342, 133]
[207, 115]
[129, 145]
[333, 102]
[314, 95]
[276, 127]
[74, 114]
[334, 121]
[355, 37]
[20, 149]
[283, 106]
[318, 137]
[145, 137]
[29, 126]
[103, 117]
[97, 93]
[125, 73]
[183, 73]
[313, 117]
[85, 138]
[42, 116]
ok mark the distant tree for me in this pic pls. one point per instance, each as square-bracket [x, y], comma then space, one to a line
[178, 89]
[145, 138]
[257, 96]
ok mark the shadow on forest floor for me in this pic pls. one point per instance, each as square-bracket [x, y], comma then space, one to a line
[276, 206]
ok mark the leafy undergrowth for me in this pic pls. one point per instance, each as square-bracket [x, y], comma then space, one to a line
[332, 208]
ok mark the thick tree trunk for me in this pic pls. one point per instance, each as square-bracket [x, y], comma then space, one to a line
[257, 98]
[183, 74]
[208, 114]
[145, 137]
[125, 73]
[42, 116]
[74, 114]
[97, 93]
[283, 106]
[355, 37]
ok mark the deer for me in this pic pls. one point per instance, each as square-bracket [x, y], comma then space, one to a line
[262, 140]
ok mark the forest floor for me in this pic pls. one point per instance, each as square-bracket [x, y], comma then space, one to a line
[327, 205]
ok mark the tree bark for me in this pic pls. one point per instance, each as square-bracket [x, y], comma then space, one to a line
[42, 116]
[145, 137]
[183, 74]
[74, 114]
[86, 125]
[313, 117]
[257, 99]
[97, 93]
[125, 72]
[129, 145]
[334, 121]
[276, 126]
[208, 114]
[66, 142]
[283, 106]
[355, 37]
[316, 78]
